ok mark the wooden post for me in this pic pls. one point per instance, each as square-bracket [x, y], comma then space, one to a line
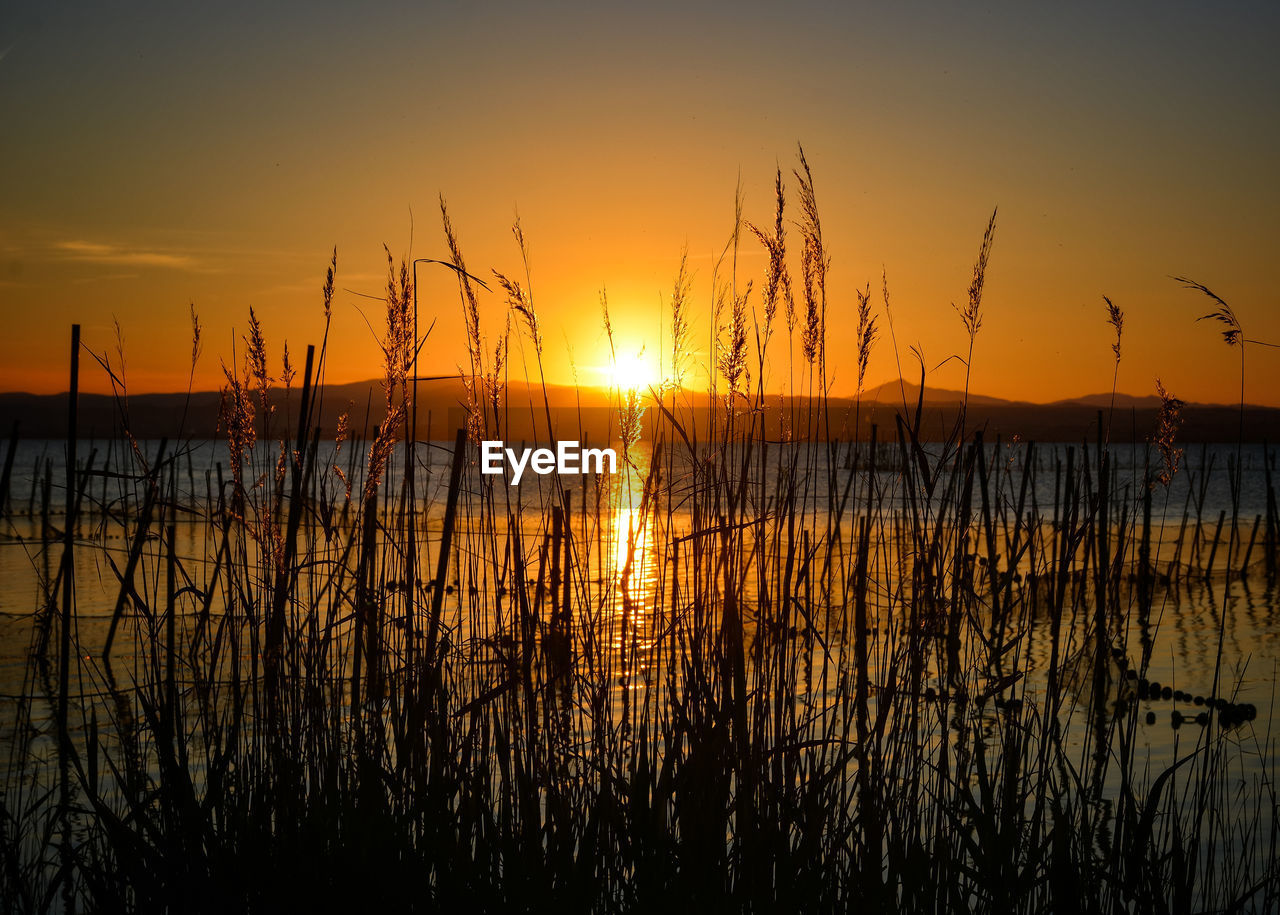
[64, 635]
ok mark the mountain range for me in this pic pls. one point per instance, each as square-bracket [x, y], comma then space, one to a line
[592, 413]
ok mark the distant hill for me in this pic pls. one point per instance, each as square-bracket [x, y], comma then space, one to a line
[1122, 402]
[893, 392]
[591, 413]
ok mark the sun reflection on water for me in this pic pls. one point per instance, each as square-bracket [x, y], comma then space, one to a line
[633, 572]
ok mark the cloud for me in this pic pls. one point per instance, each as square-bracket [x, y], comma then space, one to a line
[102, 277]
[96, 253]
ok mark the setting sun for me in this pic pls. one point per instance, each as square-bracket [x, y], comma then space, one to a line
[632, 370]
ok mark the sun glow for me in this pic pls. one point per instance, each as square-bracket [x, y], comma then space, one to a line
[633, 371]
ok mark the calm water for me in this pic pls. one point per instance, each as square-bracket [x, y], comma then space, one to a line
[629, 560]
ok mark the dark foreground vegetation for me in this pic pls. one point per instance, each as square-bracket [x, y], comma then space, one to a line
[743, 675]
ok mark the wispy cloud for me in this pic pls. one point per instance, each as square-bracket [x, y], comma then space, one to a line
[308, 283]
[102, 277]
[98, 253]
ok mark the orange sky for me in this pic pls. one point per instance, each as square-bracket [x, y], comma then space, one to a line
[163, 157]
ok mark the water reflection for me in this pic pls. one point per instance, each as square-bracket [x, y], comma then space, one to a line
[625, 592]
[632, 574]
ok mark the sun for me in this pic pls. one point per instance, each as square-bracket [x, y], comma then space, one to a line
[632, 370]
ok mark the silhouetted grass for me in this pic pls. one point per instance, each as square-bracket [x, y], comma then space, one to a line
[744, 675]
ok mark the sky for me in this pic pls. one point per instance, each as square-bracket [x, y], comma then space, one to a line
[162, 155]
